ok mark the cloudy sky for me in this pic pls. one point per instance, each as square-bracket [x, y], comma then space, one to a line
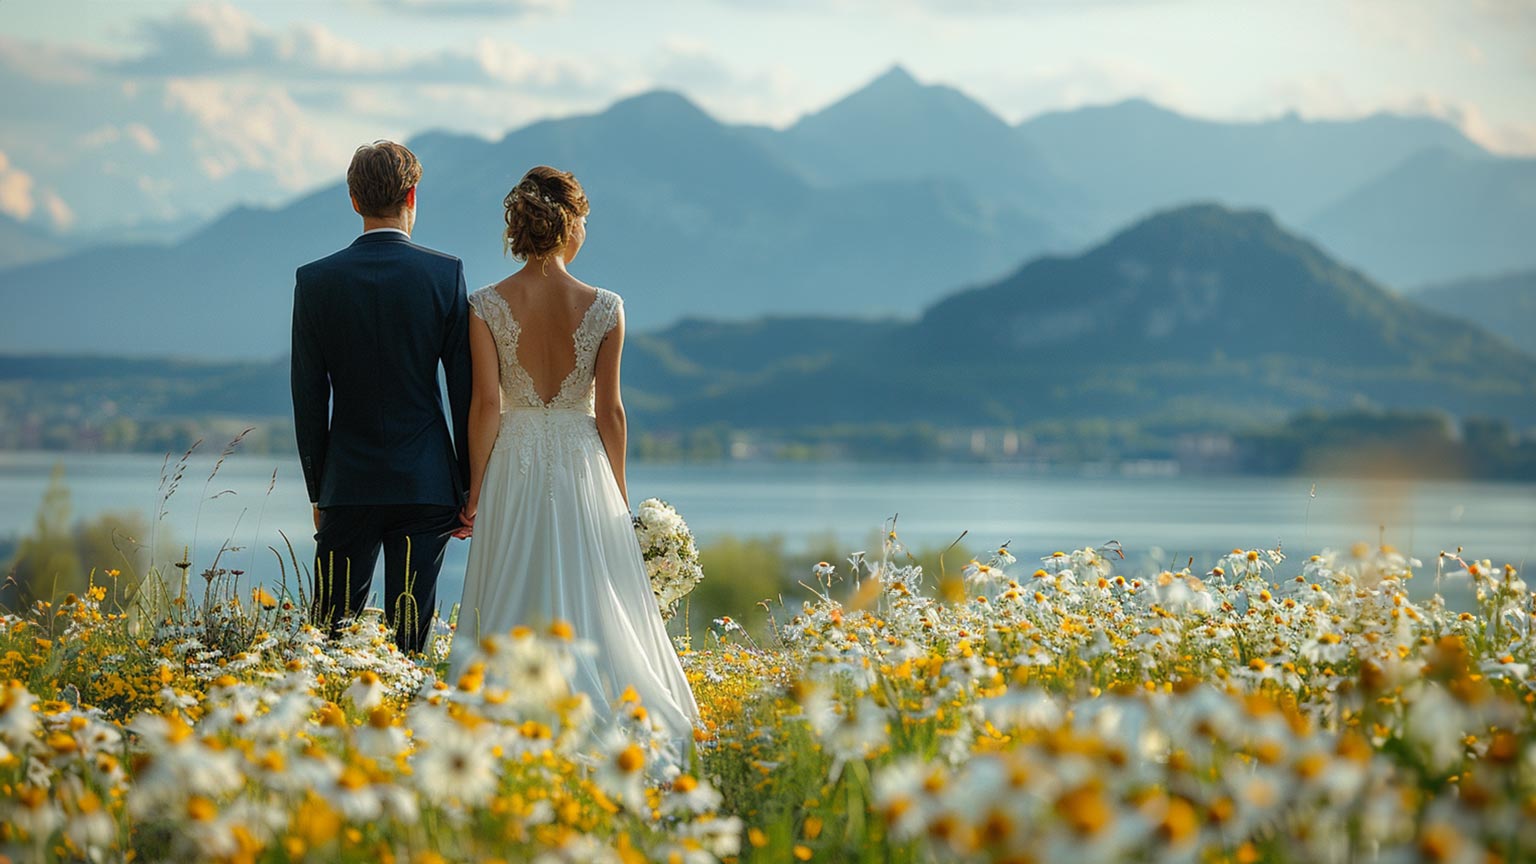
[136, 111]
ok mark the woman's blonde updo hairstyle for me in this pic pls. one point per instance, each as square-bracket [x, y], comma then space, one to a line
[542, 212]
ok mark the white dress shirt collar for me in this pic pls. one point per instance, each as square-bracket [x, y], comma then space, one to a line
[380, 230]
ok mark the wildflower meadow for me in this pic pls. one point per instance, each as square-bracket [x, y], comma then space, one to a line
[1258, 708]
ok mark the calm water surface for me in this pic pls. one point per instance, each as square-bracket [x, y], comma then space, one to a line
[1155, 519]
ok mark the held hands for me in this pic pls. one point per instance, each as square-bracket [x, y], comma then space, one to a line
[466, 521]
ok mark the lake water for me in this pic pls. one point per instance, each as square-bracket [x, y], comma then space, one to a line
[1155, 519]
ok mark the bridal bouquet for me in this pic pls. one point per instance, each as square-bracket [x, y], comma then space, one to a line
[671, 558]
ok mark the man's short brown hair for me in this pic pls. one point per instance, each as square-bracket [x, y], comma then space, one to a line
[379, 177]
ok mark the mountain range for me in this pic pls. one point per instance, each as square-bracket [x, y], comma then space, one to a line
[896, 130]
[1134, 157]
[1198, 314]
[1438, 216]
[1201, 317]
[689, 217]
[876, 206]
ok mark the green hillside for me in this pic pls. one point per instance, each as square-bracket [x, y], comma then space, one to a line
[1505, 305]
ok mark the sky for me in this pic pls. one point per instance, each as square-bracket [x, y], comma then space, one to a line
[124, 112]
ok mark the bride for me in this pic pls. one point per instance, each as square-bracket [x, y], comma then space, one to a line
[548, 506]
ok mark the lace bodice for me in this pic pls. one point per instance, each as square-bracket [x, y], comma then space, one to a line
[576, 391]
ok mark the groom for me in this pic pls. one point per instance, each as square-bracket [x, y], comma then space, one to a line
[371, 323]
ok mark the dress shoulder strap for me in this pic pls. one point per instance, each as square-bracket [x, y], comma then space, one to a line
[478, 301]
[613, 303]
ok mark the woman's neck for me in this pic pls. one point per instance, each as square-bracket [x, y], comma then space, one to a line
[549, 265]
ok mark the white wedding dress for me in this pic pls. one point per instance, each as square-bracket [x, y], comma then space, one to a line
[553, 538]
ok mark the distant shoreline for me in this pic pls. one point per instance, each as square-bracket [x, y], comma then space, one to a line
[1148, 469]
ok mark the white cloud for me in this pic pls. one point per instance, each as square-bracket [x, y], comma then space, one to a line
[1327, 97]
[217, 39]
[1031, 7]
[203, 37]
[1319, 96]
[59, 213]
[206, 105]
[1507, 138]
[141, 135]
[20, 196]
[252, 113]
[472, 8]
[944, 8]
[15, 191]
[52, 64]
[252, 126]
[693, 67]
[115, 148]
[100, 137]
[502, 62]
[107, 134]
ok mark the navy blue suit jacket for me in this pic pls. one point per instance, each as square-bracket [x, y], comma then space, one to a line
[371, 324]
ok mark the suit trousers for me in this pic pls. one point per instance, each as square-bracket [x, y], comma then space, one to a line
[413, 538]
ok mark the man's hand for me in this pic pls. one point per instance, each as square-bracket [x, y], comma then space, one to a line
[317, 517]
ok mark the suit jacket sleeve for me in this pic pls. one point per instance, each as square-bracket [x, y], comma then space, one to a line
[311, 385]
[456, 369]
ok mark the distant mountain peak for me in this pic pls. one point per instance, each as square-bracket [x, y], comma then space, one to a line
[1182, 280]
[1134, 106]
[1202, 218]
[1214, 215]
[660, 102]
[1139, 103]
[1103, 123]
[896, 99]
[896, 76]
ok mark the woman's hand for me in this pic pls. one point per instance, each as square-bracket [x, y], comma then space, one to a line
[467, 520]
[484, 416]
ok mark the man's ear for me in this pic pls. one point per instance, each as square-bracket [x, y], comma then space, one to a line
[410, 198]
[355, 208]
